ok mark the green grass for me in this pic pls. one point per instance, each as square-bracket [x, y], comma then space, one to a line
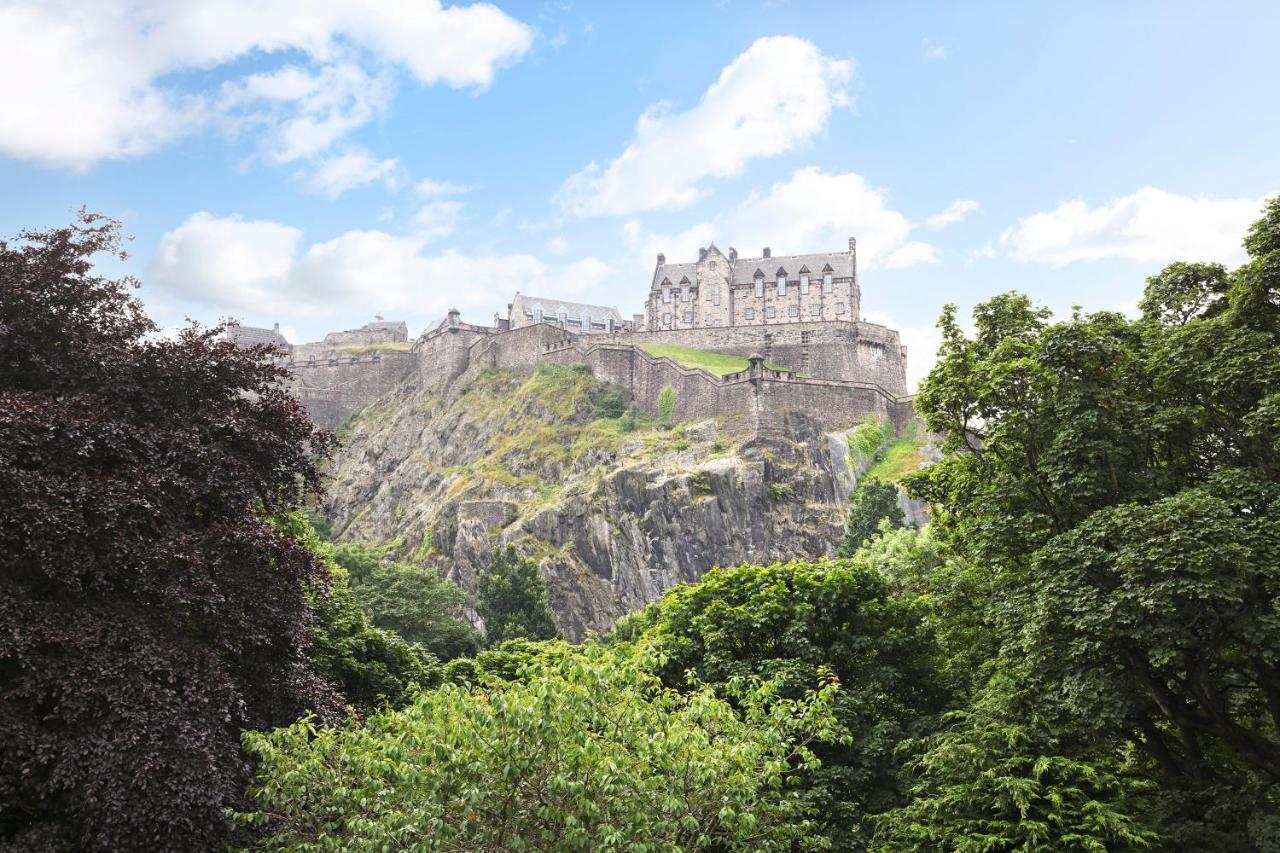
[715, 363]
[899, 457]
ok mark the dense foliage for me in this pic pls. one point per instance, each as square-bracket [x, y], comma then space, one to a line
[1115, 487]
[511, 598]
[414, 602]
[590, 753]
[790, 622]
[871, 502]
[148, 612]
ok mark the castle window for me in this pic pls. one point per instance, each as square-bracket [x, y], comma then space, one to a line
[759, 286]
[688, 317]
[608, 325]
[715, 295]
[684, 293]
[770, 313]
[564, 316]
[793, 310]
[537, 313]
[839, 307]
[666, 294]
[815, 310]
[749, 314]
[586, 322]
[804, 284]
[826, 282]
[666, 320]
[782, 284]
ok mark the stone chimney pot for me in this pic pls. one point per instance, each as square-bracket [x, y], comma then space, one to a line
[768, 253]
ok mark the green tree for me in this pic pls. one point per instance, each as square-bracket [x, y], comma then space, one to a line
[790, 622]
[666, 405]
[590, 753]
[1119, 481]
[993, 780]
[511, 598]
[871, 502]
[414, 602]
[369, 665]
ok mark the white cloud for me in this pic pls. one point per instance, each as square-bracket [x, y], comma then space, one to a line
[260, 269]
[557, 245]
[773, 98]
[1149, 225]
[959, 209]
[438, 216]
[935, 51]
[107, 76]
[353, 168]
[812, 211]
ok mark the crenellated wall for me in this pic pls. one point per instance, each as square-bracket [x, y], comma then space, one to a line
[838, 372]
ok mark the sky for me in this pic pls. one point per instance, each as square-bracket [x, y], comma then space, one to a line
[319, 162]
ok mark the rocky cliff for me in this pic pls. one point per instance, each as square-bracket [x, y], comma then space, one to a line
[614, 509]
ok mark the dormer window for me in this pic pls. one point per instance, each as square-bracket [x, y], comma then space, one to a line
[804, 284]
[537, 313]
[782, 283]
[684, 293]
[564, 317]
[586, 322]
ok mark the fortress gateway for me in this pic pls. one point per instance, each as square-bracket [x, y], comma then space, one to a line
[795, 320]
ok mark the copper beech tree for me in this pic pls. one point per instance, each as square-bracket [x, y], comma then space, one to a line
[148, 612]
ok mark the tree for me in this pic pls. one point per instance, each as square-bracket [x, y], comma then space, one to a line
[1120, 482]
[415, 603]
[511, 598]
[992, 779]
[666, 405]
[588, 753]
[871, 502]
[790, 622]
[148, 612]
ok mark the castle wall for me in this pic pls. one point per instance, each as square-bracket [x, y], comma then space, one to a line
[334, 389]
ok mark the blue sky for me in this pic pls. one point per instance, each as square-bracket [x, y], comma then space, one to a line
[316, 163]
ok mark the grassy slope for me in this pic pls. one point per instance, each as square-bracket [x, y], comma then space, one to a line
[899, 457]
[715, 363]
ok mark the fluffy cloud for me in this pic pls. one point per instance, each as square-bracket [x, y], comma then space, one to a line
[812, 211]
[258, 269]
[1149, 225]
[353, 168]
[438, 215]
[96, 69]
[774, 97]
[959, 209]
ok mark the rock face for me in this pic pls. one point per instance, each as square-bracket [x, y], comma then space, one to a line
[614, 515]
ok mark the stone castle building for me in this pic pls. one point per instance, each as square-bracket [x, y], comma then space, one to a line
[727, 290]
[794, 320]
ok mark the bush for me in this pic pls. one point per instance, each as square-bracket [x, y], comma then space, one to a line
[871, 502]
[589, 753]
[666, 405]
[611, 403]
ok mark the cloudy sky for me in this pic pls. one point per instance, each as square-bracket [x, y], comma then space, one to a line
[316, 162]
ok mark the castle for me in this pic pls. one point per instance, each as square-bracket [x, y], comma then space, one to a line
[794, 320]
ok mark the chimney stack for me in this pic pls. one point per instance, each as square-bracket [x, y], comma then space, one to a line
[767, 252]
[702, 254]
[733, 254]
[662, 259]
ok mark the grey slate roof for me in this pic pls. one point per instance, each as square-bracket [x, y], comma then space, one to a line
[522, 304]
[250, 336]
[674, 272]
[744, 269]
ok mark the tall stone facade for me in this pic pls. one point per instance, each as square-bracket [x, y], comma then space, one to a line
[727, 290]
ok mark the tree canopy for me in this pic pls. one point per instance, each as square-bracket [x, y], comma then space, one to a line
[511, 598]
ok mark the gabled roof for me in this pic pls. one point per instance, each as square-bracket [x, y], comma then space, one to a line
[552, 308]
[250, 336]
[673, 272]
[840, 265]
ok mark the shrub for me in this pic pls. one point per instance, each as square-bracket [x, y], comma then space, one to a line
[588, 753]
[511, 598]
[666, 405]
[611, 403]
[871, 502]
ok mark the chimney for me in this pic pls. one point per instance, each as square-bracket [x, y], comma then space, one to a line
[662, 259]
[853, 254]
[767, 252]
[702, 254]
[276, 328]
[733, 254]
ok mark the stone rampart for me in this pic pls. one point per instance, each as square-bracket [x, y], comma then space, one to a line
[335, 388]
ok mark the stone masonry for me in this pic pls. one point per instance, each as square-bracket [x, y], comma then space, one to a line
[795, 318]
